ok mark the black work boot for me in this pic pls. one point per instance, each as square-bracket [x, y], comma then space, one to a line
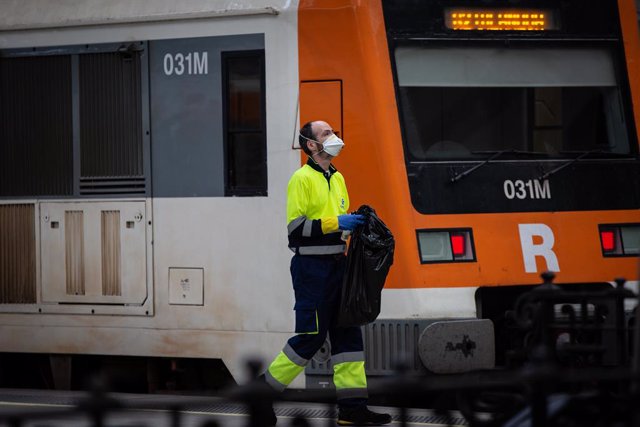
[270, 418]
[269, 413]
[361, 416]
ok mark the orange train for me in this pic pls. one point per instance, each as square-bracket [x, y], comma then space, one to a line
[498, 142]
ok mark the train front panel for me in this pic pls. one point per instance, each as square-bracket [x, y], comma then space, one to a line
[496, 142]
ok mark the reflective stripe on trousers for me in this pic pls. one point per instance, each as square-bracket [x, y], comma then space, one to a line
[285, 368]
[317, 283]
[349, 375]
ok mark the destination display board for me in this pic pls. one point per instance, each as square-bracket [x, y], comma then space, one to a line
[494, 19]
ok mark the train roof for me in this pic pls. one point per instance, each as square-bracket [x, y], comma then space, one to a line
[39, 14]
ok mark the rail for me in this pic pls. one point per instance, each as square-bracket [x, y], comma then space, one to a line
[583, 368]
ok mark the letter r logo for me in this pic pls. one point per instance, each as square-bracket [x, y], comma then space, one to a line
[543, 248]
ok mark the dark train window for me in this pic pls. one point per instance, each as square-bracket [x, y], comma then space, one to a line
[36, 137]
[244, 123]
[459, 103]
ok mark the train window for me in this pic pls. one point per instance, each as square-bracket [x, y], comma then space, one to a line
[35, 126]
[244, 122]
[465, 102]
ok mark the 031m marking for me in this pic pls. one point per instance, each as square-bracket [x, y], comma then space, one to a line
[532, 189]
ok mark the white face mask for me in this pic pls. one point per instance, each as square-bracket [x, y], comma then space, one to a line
[332, 145]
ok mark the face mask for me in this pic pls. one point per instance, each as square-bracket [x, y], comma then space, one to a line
[331, 145]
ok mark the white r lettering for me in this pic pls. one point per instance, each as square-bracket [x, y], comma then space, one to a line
[545, 249]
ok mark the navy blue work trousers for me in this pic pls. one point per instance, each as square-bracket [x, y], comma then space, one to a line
[317, 283]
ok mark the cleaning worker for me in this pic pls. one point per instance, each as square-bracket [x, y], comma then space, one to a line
[317, 204]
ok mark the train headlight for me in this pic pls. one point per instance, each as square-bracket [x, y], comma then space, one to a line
[446, 245]
[620, 239]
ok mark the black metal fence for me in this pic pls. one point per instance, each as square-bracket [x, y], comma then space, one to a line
[582, 369]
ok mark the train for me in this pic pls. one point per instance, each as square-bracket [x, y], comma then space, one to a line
[145, 150]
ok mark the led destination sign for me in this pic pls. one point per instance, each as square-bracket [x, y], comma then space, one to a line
[485, 19]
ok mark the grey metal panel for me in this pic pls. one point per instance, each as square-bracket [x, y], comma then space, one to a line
[35, 126]
[391, 342]
[186, 109]
[386, 343]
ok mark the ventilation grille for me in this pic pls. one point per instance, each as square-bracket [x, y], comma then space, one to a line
[111, 253]
[111, 150]
[386, 343]
[74, 251]
[112, 185]
[17, 254]
[36, 126]
[111, 115]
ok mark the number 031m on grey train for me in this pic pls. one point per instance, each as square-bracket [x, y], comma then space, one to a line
[145, 152]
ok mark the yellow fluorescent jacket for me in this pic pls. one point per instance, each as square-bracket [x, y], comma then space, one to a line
[315, 198]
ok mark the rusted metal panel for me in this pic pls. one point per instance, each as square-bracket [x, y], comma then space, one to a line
[17, 254]
[74, 252]
[110, 232]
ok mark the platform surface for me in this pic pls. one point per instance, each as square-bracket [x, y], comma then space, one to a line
[52, 408]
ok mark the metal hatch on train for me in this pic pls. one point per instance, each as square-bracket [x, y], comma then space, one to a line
[93, 253]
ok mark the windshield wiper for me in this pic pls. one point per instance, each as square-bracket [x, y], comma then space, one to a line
[495, 154]
[582, 155]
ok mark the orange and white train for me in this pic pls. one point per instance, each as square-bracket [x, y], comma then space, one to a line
[145, 150]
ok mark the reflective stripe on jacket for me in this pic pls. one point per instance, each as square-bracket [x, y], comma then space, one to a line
[315, 198]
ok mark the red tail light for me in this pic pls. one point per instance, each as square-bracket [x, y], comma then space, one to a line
[620, 239]
[608, 238]
[458, 244]
[446, 245]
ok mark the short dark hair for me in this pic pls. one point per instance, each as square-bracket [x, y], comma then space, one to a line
[305, 134]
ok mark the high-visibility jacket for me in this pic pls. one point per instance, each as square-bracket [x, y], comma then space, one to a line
[315, 198]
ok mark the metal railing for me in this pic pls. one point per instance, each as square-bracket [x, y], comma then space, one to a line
[559, 385]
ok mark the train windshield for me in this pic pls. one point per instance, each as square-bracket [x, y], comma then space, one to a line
[461, 103]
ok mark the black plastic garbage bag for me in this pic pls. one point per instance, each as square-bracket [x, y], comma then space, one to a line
[369, 258]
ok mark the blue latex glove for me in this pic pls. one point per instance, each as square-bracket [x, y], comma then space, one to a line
[350, 221]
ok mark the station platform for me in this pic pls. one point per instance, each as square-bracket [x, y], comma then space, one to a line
[35, 408]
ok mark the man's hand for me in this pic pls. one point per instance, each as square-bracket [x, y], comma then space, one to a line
[350, 221]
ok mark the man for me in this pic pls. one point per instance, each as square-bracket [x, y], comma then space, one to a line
[317, 204]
